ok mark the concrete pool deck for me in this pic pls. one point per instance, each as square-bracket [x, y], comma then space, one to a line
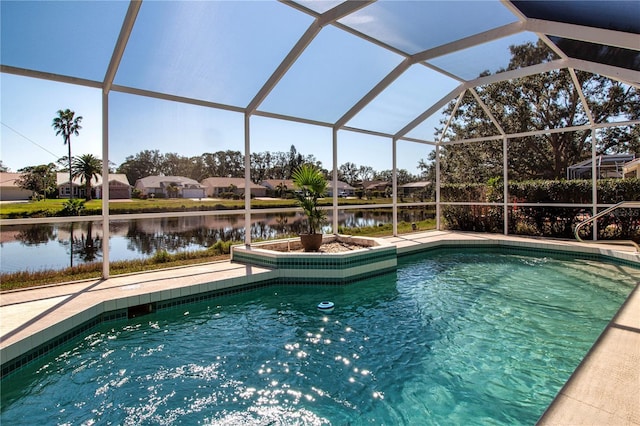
[604, 390]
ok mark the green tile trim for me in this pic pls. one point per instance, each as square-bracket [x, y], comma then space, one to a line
[213, 294]
[337, 281]
[502, 248]
[322, 261]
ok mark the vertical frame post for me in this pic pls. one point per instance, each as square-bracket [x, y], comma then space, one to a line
[594, 183]
[105, 186]
[394, 184]
[334, 178]
[247, 179]
[505, 187]
[438, 212]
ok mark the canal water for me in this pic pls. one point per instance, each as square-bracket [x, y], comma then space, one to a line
[61, 245]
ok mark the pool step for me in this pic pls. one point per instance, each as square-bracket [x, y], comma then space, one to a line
[615, 242]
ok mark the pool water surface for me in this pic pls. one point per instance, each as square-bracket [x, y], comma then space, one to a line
[450, 338]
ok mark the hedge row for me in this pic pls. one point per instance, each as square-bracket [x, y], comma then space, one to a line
[558, 222]
[610, 191]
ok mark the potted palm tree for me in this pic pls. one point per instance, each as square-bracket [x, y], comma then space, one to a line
[310, 185]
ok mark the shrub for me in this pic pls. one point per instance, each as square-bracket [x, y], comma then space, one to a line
[161, 256]
[547, 221]
[611, 191]
[73, 207]
[463, 192]
[221, 247]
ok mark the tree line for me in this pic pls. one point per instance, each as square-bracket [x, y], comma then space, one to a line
[544, 101]
[264, 166]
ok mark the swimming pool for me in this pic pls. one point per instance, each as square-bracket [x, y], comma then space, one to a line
[451, 338]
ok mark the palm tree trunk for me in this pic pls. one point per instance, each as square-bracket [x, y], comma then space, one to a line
[70, 173]
[71, 246]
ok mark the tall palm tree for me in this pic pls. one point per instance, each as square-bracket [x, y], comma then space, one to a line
[66, 124]
[86, 167]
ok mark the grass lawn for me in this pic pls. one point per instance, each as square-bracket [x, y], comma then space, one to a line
[52, 207]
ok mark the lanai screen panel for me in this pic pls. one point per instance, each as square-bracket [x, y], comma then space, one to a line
[407, 97]
[215, 51]
[610, 15]
[333, 73]
[621, 16]
[73, 38]
[415, 26]
[491, 57]
[319, 6]
[140, 123]
[426, 130]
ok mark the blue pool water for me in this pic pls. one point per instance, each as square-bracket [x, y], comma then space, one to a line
[451, 338]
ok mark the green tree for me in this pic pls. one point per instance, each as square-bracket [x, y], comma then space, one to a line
[427, 170]
[67, 124]
[348, 172]
[260, 166]
[403, 176]
[223, 164]
[173, 190]
[143, 164]
[366, 173]
[41, 180]
[294, 160]
[178, 165]
[281, 189]
[86, 167]
[538, 102]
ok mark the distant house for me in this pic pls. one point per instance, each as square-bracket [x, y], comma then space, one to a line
[10, 190]
[273, 184]
[343, 189]
[119, 187]
[170, 187]
[632, 169]
[371, 186]
[64, 189]
[413, 189]
[607, 166]
[216, 186]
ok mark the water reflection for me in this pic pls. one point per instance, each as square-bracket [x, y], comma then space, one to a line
[35, 234]
[87, 247]
[57, 246]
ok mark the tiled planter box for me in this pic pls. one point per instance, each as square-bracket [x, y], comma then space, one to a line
[374, 258]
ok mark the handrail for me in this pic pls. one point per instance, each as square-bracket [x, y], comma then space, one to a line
[576, 232]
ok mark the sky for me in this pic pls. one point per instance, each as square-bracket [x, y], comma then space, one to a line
[28, 107]
[224, 55]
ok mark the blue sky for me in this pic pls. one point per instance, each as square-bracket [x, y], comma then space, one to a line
[224, 55]
[29, 105]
